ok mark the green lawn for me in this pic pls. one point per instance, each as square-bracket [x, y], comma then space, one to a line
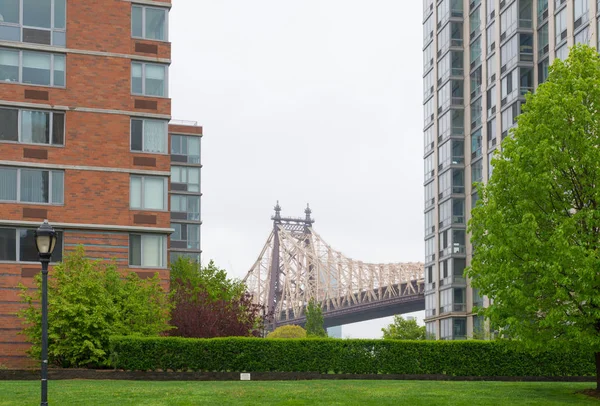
[346, 393]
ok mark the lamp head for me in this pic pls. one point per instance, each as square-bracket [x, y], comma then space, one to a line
[45, 240]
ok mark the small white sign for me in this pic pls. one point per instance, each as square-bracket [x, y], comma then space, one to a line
[244, 377]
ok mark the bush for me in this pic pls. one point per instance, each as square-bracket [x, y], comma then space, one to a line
[88, 301]
[288, 332]
[457, 358]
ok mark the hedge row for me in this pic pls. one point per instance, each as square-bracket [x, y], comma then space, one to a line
[457, 358]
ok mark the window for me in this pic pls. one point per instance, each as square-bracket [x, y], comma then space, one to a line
[34, 21]
[429, 167]
[430, 305]
[18, 244]
[509, 118]
[176, 255]
[491, 10]
[491, 133]
[148, 79]
[580, 14]
[189, 234]
[148, 192]
[430, 327]
[543, 40]
[430, 250]
[429, 227]
[187, 146]
[428, 112]
[542, 10]
[543, 71]
[149, 135]
[188, 178]
[31, 185]
[36, 127]
[428, 57]
[147, 250]
[475, 53]
[508, 54]
[429, 198]
[562, 52]
[476, 144]
[428, 138]
[583, 36]
[477, 171]
[491, 69]
[428, 30]
[34, 68]
[190, 205]
[508, 21]
[491, 101]
[491, 37]
[428, 85]
[149, 22]
[560, 25]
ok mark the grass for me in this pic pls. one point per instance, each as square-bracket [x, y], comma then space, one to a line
[346, 393]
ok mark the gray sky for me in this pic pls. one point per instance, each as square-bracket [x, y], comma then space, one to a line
[315, 101]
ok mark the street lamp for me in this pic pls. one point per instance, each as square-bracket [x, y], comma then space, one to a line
[45, 241]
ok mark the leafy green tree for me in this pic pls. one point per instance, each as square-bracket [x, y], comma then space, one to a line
[536, 228]
[288, 332]
[314, 320]
[402, 329]
[88, 301]
[210, 279]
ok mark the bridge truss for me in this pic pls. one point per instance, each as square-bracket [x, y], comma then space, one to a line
[296, 264]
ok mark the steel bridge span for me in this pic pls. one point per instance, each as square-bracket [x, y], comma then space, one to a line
[296, 265]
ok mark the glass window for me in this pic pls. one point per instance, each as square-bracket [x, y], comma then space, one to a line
[34, 21]
[27, 251]
[188, 234]
[189, 255]
[9, 130]
[37, 127]
[36, 68]
[8, 184]
[148, 79]
[149, 135]
[560, 25]
[147, 250]
[187, 146]
[31, 185]
[190, 177]
[580, 14]
[147, 192]
[149, 22]
[186, 204]
[543, 40]
[429, 197]
[508, 21]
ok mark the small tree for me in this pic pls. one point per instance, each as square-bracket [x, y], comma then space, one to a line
[88, 301]
[208, 304]
[314, 320]
[288, 332]
[402, 329]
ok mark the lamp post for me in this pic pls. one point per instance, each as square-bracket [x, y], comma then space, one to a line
[45, 241]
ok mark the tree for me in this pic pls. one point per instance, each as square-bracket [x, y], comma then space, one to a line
[208, 304]
[288, 332]
[88, 301]
[536, 229]
[314, 320]
[402, 329]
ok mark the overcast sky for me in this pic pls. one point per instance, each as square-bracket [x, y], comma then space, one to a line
[305, 101]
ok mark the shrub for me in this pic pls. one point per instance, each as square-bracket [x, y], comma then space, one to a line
[88, 301]
[288, 332]
[457, 358]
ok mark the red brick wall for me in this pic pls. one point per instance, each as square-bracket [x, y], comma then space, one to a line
[12, 344]
[91, 139]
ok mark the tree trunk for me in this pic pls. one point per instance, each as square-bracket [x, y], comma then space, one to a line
[598, 372]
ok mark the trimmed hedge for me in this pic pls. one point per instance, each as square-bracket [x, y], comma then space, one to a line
[456, 358]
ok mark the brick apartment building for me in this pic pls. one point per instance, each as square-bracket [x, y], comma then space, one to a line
[85, 142]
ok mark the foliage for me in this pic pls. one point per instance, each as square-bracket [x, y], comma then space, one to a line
[536, 228]
[402, 329]
[208, 304]
[209, 279]
[291, 331]
[308, 392]
[242, 354]
[88, 301]
[314, 320]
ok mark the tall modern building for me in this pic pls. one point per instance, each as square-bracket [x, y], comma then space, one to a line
[85, 142]
[479, 60]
